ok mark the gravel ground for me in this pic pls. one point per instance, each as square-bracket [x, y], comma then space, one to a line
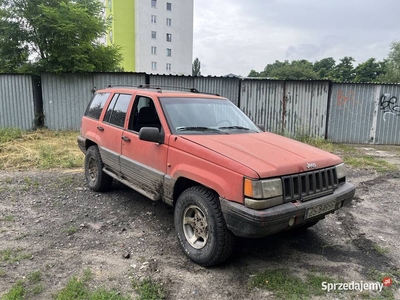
[54, 224]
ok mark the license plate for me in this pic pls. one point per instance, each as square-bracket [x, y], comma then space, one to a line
[320, 209]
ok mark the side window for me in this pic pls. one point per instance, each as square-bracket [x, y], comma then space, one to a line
[96, 105]
[144, 114]
[117, 109]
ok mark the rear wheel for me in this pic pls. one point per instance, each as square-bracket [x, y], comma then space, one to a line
[201, 227]
[97, 180]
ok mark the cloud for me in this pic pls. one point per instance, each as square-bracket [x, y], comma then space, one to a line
[236, 36]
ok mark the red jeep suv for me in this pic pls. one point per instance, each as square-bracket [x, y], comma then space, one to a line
[202, 155]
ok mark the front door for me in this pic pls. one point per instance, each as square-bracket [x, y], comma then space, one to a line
[143, 163]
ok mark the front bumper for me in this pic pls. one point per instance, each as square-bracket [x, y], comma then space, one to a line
[247, 222]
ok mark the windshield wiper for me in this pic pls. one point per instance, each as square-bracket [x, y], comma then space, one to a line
[236, 127]
[196, 128]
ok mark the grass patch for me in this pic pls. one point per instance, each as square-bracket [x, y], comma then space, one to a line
[287, 286]
[25, 288]
[8, 218]
[369, 162]
[2, 273]
[350, 155]
[17, 292]
[149, 289]
[70, 230]
[387, 292]
[41, 149]
[13, 255]
[10, 134]
[78, 289]
[381, 250]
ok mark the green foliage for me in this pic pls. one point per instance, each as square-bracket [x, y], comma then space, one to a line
[196, 67]
[60, 36]
[148, 289]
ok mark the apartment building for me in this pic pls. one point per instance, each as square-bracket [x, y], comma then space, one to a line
[155, 36]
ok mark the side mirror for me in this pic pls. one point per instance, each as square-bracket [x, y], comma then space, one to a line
[151, 134]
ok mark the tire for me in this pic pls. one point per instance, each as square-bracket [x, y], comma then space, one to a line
[201, 227]
[97, 180]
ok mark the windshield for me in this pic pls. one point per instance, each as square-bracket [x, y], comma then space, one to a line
[205, 116]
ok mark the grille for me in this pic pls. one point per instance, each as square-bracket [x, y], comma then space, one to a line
[309, 185]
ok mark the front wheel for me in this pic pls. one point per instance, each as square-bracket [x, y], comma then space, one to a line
[201, 227]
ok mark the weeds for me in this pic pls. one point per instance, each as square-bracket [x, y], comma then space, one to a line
[78, 289]
[149, 289]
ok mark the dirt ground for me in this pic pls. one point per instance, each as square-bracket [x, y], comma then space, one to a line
[60, 228]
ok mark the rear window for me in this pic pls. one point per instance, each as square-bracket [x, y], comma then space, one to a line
[96, 105]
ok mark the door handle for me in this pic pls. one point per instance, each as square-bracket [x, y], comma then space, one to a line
[126, 139]
[100, 128]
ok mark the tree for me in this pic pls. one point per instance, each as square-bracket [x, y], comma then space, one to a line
[392, 65]
[295, 70]
[54, 36]
[196, 67]
[369, 71]
[324, 67]
[344, 71]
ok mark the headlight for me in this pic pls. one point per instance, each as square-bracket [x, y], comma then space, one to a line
[260, 194]
[341, 172]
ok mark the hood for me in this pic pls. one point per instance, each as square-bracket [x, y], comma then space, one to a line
[267, 154]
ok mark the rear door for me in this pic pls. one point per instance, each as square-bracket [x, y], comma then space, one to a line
[144, 163]
[111, 130]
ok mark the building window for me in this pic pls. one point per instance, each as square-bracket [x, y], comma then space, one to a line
[154, 3]
[153, 50]
[154, 65]
[168, 67]
[153, 19]
[169, 22]
[169, 37]
[110, 5]
[169, 52]
[169, 6]
[154, 34]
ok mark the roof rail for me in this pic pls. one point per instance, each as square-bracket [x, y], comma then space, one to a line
[158, 87]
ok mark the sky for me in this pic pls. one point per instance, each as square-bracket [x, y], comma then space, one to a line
[236, 36]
